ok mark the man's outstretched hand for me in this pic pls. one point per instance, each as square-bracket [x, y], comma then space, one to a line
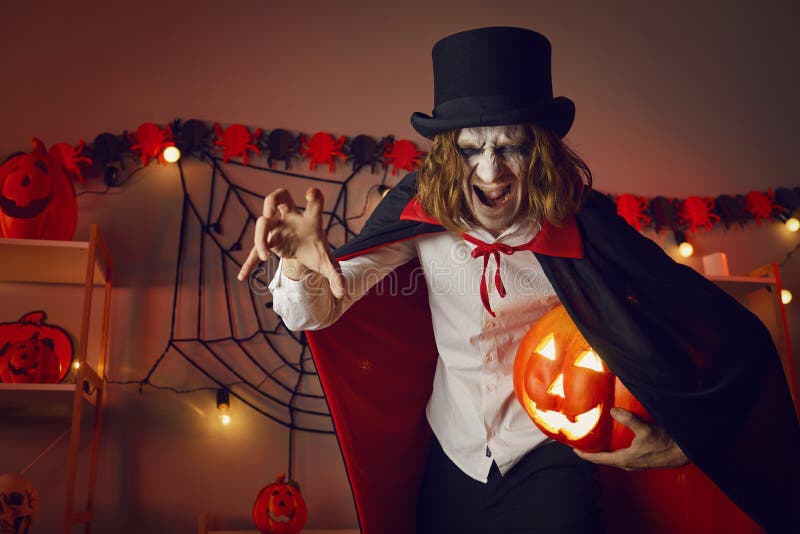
[651, 447]
[297, 237]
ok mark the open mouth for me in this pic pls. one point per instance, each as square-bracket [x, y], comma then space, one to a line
[556, 422]
[282, 518]
[34, 208]
[493, 198]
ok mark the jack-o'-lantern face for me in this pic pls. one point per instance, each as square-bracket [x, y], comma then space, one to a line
[37, 200]
[280, 508]
[32, 351]
[563, 384]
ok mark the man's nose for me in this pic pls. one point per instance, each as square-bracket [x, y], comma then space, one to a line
[489, 169]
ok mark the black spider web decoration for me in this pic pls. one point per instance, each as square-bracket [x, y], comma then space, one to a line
[250, 351]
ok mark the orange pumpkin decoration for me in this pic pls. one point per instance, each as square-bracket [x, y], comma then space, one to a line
[33, 352]
[37, 200]
[280, 508]
[567, 390]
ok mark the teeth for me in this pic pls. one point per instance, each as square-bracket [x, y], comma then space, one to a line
[492, 197]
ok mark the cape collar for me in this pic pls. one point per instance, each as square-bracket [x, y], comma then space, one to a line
[562, 242]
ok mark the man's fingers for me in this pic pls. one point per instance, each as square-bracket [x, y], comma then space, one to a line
[329, 268]
[277, 198]
[628, 419]
[263, 227]
[314, 204]
[249, 264]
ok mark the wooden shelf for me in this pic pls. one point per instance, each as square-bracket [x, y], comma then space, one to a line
[86, 264]
[47, 261]
[39, 400]
[739, 286]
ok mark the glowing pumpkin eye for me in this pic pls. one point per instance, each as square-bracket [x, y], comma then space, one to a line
[547, 347]
[589, 360]
[557, 387]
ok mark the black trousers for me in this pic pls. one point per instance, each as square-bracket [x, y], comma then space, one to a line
[550, 490]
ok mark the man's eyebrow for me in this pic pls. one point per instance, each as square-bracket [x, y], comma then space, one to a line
[469, 144]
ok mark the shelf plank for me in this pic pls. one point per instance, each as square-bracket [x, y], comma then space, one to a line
[37, 400]
[47, 261]
[739, 286]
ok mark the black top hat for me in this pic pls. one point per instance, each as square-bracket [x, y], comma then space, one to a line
[493, 77]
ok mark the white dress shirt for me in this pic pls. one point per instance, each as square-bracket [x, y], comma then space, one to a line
[473, 410]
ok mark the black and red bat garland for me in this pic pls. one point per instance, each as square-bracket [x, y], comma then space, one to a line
[108, 152]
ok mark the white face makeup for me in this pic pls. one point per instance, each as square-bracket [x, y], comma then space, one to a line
[496, 160]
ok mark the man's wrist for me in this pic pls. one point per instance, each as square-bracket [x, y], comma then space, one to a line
[293, 269]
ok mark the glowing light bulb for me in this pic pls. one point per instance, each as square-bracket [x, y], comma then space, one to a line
[224, 418]
[685, 249]
[792, 224]
[223, 407]
[171, 154]
[786, 296]
[76, 365]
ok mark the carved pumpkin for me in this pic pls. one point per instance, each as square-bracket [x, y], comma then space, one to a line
[37, 200]
[33, 352]
[567, 390]
[280, 508]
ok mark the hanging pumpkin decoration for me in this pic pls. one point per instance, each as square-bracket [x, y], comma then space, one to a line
[567, 390]
[32, 352]
[37, 200]
[280, 508]
[19, 503]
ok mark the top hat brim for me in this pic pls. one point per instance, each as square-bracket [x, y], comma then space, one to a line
[556, 114]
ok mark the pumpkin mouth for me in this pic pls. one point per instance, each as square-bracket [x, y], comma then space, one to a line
[34, 208]
[20, 371]
[282, 518]
[556, 422]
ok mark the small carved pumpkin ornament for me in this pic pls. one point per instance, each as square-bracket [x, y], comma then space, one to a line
[37, 200]
[280, 508]
[32, 352]
[567, 390]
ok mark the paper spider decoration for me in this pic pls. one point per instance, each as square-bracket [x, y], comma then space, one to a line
[633, 209]
[665, 214]
[761, 205]
[236, 141]
[150, 141]
[364, 150]
[322, 148]
[107, 149]
[192, 136]
[402, 154]
[731, 210]
[698, 211]
[70, 159]
[788, 198]
[282, 146]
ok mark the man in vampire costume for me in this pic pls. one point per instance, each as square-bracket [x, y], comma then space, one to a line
[415, 322]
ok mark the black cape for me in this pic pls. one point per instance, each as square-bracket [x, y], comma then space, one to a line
[704, 367]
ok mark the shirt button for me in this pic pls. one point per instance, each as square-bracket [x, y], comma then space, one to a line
[491, 434]
[490, 324]
[489, 387]
[490, 356]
